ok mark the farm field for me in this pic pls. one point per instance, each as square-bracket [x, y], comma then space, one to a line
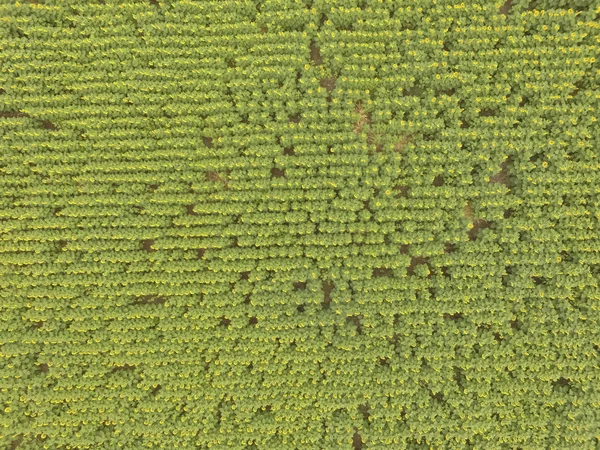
[300, 224]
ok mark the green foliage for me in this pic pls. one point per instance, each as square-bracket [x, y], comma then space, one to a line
[282, 224]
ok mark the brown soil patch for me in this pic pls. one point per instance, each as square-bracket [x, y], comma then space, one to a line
[277, 173]
[478, 224]
[469, 211]
[328, 83]
[123, 367]
[355, 320]
[415, 261]
[382, 272]
[402, 191]
[13, 114]
[364, 411]
[502, 176]
[213, 176]
[315, 53]
[401, 144]
[505, 8]
[363, 120]
[150, 300]
[147, 245]
[208, 141]
[357, 442]
[48, 125]
[449, 248]
[487, 112]
[438, 181]
[299, 285]
[327, 287]
[454, 316]
[370, 138]
[15, 443]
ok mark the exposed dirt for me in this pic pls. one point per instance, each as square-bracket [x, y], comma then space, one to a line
[454, 316]
[364, 411]
[502, 177]
[328, 83]
[315, 53]
[449, 248]
[155, 390]
[401, 144]
[147, 245]
[415, 261]
[15, 443]
[48, 125]
[487, 112]
[355, 320]
[505, 8]
[478, 224]
[13, 114]
[208, 141]
[438, 181]
[469, 211]
[357, 442]
[402, 191]
[364, 119]
[382, 272]
[277, 173]
[327, 287]
[299, 285]
[124, 367]
[212, 176]
[215, 177]
[150, 300]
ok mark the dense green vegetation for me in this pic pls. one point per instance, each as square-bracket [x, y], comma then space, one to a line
[299, 224]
